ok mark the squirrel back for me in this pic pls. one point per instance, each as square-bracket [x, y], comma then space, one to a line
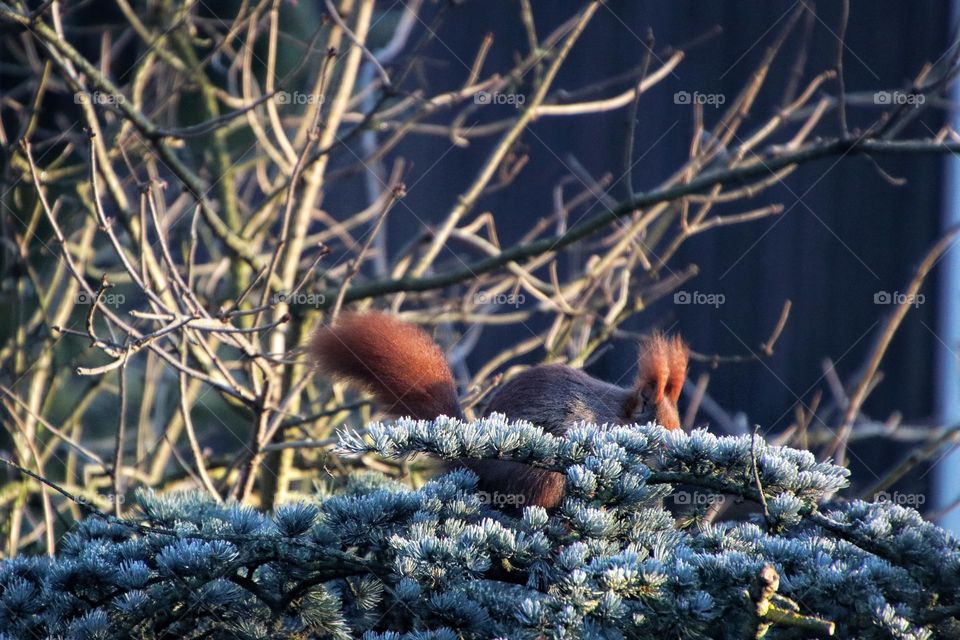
[555, 396]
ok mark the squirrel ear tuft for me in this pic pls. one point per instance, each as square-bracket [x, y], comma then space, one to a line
[663, 367]
[655, 366]
[679, 356]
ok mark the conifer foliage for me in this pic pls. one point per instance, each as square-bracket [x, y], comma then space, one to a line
[379, 560]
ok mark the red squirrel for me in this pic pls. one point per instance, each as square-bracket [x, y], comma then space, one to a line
[408, 375]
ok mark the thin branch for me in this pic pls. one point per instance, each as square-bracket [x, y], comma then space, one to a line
[836, 147]
[118, 489]
[884, 337]
[372, 59]
[397, 192]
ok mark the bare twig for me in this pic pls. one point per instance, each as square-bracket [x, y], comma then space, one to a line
[882, 341]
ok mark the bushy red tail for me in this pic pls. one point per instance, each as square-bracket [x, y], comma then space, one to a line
[397, 362]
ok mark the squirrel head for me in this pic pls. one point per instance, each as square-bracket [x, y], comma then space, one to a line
[663, 368]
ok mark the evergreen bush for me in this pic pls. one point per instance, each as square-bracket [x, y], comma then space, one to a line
[380, 560]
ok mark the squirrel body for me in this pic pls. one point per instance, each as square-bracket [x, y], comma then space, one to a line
[408, 374]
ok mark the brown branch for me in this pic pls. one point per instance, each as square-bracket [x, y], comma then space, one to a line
[882, 342]
[837, 147]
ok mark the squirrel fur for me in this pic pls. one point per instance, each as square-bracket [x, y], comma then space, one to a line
[408, 375]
